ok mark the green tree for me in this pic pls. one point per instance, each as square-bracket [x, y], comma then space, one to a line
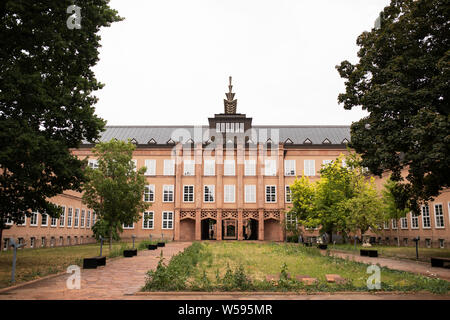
[303, 196]
[46, 101]
[115, 190]
[403, 80]
[102, 229]
[390, 204]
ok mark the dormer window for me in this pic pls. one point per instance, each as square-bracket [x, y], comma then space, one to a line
[288, 141]
[307, 141]
[345, 141]
[233, 127]
[170, 141]
[151, 141]
[326, 141]
[134, 141]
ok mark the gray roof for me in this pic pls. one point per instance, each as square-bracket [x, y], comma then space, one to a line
[162, 134]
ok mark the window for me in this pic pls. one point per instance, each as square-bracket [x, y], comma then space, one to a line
[93, 163]
[271, 194]
[83, 213]
[32, 242]
[428, 243]
[188, 193]
[62, 216]
[8, 221]
[128, 226]
[44, 219]
[20, 241]
[310, 168]
[441, 243]
[61, 241]
[23, 221]
[394, 224]
[135, 164]
[52, 241]
[167, 220]
[53, 222]
[228, 193]
[209, 168]
[270, 167]
[43, 242]
[250, 193]
[439, 215]
[189, 167]
[168, 193]
[229, 168]
[426, 222]
[287, 194]
[88, 219]
[150, 164]
[289, 167]
[414, 221]
[147, 221]
[250, 167]
[291, 220]
[34, 219]
[149, 193]
[77, 215]
[405, 241]
[94, 217]
[69, 217]
[169, 167]
[326, 162]
[386, 225]
[69, 241]
[5, 244]
[404, 223]
[208, 195]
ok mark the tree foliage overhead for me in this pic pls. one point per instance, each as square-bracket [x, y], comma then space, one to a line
[403, 80]
[46, 101]
[115, 190]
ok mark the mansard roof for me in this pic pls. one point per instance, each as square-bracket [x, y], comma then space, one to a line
[337, 135]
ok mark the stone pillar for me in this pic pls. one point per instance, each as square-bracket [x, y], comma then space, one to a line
[198, 225]
[260, 191]
[282, 191]
[198, 157]
[219, 224]
[261, 224]
[240, 229]
[178, 188]
[177, 225]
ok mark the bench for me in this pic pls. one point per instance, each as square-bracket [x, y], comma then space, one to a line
[152, 247]
[322, 246]
[94, 262]
[161, 244]
[130, 253]
[439, 262]
[307, 244]
[368, 253]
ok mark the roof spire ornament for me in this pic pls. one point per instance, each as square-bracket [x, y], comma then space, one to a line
[230, 103]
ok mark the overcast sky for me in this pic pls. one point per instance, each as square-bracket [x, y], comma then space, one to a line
[168, 62]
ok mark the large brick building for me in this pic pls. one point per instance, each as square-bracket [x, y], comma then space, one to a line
[227, 180]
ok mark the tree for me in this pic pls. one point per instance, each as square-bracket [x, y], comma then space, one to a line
[46, 101]
[115, 190]
[102, 229]
[390, 205]
[403, 80]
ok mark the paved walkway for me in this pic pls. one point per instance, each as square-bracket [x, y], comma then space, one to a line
[119, 278]
[418, 267]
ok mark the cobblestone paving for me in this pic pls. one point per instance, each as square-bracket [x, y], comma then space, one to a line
[119, 278]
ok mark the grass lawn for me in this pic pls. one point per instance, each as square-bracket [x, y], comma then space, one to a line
[397, 252]
[35, 263]
[214, 266]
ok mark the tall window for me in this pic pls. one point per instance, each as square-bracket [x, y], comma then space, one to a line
[168, 193]
[167, 220]
[150, 164]
[128, 226]
[209, 168]
[94, 217]
[270, 167]
[88, 219]
[44, 219]
[53, 222]
[250, 167]
[386, 225]
[326, 162]
[34, 219]
[439, 215]
[288, 195]
[169, 167]
[394, 224]
[414, 221]
[271, 194]
[93, 163]
[426, 222]
[62, 217]
[250, 193]
[291, 220]
[289, 167]
[404, 223]
[83, 212]
[310, 168]
[208, 193]
[228, 193]
[147, 221]
[69, 217]
[77, 215]
[149, 193]
[188, 193]
[229, 168]
[189, 167]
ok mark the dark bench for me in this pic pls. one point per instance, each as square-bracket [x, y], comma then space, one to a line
[161, 244]
[439, 262]
[322, 246]
[368, 253]
[94, 262]
[152, 247]
[130, 253]
[307, 244]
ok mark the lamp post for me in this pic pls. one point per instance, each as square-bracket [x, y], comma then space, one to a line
[15, 245]
[101, 245]
[134, 237]
[356, 238]
[416, 240]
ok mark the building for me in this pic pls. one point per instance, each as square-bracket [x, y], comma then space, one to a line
[227, 180]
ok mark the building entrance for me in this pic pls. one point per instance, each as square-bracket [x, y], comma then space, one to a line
[209, 229]
[229, 229]
[250, 229]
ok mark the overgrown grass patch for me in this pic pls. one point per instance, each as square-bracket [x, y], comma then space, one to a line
[243, 266]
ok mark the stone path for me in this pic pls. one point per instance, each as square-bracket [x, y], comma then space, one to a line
[119, 278]
[418, 267]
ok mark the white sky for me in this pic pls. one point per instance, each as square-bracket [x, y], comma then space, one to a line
[168, 62]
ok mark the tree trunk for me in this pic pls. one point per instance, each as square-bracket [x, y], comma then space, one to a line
[330, 237]
[398, 233]
[110, 239]
[1, 243]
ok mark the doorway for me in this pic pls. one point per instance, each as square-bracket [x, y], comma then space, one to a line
[229, 229]
[209, 229]
[250, 229]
